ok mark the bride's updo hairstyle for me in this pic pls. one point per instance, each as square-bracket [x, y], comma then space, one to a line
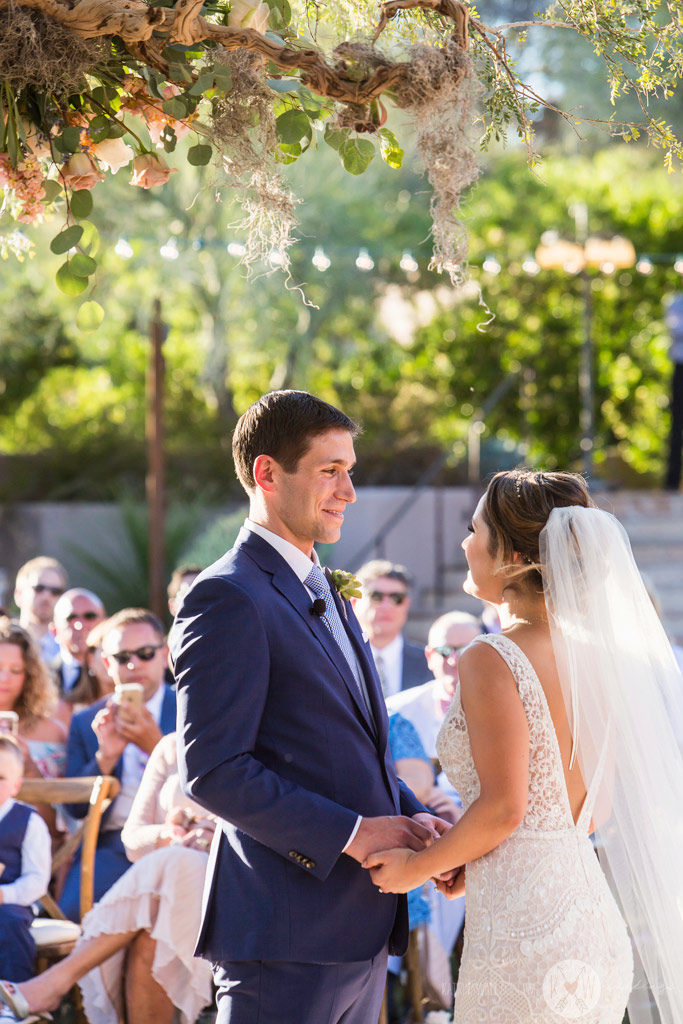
[516, 507]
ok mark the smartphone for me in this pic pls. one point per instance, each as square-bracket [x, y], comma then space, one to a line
[9, 722]
[129, 698]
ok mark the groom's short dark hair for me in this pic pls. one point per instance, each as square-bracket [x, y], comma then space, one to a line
[281, 424]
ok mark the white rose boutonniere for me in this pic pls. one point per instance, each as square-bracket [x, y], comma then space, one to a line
[345, 583]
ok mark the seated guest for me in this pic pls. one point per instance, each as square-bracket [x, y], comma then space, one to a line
[135, 959]
[105, 739]
[382, 611]
[25, 856]
[181, 580]
[38, 585]
[27, 700]
[77, 612]
[94, 683]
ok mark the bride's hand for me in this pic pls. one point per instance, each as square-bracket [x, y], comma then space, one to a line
[394, 870]
[452, 883]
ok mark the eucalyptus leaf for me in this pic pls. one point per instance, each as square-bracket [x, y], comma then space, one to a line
[66, 239]
[293, 126]
[82, 265]
[53, 189]
[356, 155]
[199, 155]
[69, 139]
[90, 316]
[223, 77]
[90, 242]
[67, 281]
[202, 85]
[175, 107]
[179, 73]
[283, 84]
[81, 204]
[336, 138]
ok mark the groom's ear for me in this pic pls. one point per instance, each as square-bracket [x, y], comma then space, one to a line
[265, 470]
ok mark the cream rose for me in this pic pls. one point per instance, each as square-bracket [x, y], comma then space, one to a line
[150, 170]
[113, 154]
[249, 14]
[80, 172]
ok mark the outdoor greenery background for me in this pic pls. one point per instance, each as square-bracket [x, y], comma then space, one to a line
[401, 353]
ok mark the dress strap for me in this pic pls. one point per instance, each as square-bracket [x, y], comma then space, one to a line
[513, 656]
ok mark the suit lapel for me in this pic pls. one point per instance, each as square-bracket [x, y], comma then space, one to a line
[288, 584]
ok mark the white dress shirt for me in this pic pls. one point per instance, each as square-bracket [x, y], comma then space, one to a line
[36, 862]
[300, 564]
[134, 761]
[389, 662]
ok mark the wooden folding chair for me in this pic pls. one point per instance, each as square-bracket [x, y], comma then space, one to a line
[54, 935]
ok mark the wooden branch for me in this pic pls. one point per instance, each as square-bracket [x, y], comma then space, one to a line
[135, 22]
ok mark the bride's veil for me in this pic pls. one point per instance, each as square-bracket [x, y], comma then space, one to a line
[624, 697]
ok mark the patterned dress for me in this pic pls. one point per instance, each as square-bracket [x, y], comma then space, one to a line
[544, 940]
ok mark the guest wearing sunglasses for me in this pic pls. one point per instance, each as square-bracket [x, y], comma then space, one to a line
[382, 612]
[38, 584]
[76, 613]
[102, 741]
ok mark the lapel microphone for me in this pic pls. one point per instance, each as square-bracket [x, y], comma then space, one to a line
[318, 607]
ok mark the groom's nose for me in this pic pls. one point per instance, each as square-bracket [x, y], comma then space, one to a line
[347, 490]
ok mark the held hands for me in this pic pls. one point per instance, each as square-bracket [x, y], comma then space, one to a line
[452, 883]
[384, 832]
[399, 870]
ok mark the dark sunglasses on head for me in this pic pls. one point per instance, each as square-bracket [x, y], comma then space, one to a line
[85, 617]
[446, 650]
[40, 588]
[143, 653]
[396, 596]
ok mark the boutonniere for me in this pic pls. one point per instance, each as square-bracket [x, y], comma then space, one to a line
[345, 583]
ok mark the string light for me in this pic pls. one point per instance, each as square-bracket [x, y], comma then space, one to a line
[123, 249]
[530, 266]
[645, 265]
[491, 265]
[408, 263]
[277, 258]
[678, 265]
[364, 260]
[236, 249]
[169, 251]
[321, 261]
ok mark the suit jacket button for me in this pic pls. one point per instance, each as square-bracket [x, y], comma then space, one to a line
[292, 853]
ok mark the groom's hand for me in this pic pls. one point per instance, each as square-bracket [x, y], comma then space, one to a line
[437, 826]
[385, 833]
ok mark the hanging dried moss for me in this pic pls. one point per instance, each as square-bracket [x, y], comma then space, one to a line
[36, 51]
[441, 94]
[242, 129]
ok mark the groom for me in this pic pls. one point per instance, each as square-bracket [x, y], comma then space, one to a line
[282, 734]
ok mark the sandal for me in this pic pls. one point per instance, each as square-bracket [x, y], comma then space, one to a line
[15, 1006]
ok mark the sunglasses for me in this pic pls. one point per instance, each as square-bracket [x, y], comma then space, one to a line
[40, 588]
[85, 617]
[396, 596]
[143, 653]
[446, 650]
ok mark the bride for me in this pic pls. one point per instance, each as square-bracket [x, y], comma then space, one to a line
[558, 730]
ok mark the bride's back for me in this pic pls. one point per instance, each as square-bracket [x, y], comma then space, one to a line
[536, 644]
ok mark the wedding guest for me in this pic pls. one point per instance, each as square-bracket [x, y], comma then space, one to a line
[25, 856]
[27, 691]
[426, 706]
[39, 583]
[182, 578]
[77, 611]
[382, 612]
[134, 960]
[102, 741]
[94, 683]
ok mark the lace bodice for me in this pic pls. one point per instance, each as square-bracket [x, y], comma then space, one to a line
[544, 941]
[548, 805]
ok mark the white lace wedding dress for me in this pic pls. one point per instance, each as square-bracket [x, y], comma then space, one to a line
[544, 940]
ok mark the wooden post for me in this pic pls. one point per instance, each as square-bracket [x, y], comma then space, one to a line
[155, 482]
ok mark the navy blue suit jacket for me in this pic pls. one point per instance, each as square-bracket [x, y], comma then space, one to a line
[82, 744]
[414, 669]
[273, 739]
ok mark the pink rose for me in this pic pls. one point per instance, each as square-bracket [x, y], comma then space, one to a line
[80, 171]
[249, 14]
[113, 154]
[150, 170]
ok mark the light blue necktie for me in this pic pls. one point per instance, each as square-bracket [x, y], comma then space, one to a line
[317, 582]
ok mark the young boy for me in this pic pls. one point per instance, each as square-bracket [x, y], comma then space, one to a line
[25, 860]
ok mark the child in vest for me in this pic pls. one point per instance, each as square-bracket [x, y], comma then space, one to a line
[25, 860]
